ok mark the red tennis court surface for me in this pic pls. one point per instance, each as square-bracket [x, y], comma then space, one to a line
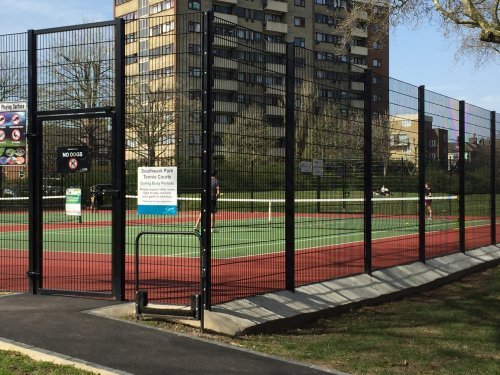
[174, 279]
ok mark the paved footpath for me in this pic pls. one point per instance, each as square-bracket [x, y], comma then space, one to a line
[60, 325]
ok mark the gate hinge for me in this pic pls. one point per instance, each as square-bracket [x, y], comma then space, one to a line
[33, 274]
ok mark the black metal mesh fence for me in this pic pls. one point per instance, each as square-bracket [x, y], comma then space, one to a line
[13, 178]
[263, 90]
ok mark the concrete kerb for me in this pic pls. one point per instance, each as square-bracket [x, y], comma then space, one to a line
[284, 309]
[39, 354]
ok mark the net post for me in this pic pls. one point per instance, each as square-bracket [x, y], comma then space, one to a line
[461, 175]
[290, 169]
[421, 173]
[493, 168]
[269, 211]
[368, 174]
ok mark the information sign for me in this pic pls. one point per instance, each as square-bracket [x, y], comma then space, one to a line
[12, 133]
[157, 191]
[74, 202]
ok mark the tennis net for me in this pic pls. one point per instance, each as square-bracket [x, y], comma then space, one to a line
[14, 210]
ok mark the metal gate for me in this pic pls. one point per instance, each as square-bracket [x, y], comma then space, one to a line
[76, 160]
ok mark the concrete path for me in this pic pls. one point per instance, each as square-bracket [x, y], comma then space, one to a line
[58, 326]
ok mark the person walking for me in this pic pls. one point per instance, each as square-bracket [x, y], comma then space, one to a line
[214, 196]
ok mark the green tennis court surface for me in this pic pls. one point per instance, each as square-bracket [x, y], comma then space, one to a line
[243, 228]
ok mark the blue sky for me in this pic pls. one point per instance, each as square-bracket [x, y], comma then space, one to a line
[419, 57]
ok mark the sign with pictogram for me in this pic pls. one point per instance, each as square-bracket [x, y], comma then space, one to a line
[73, 159]
[12, 133]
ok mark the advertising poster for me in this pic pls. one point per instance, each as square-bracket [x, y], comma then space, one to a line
[12, 133]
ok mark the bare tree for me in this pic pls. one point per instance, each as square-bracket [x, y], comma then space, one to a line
[476, 22]
[250, 137]
[151, 121]
[13, 80]
[75, 74]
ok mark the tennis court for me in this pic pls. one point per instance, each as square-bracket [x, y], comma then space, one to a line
[329, 234]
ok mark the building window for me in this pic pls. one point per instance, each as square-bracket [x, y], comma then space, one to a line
[162, 50]
[161, 29]
[120, 2]
[432, 143]
[300, 3]
[299, 22]
[194, 139]
[376, 80]
[194, 4]
[301, 42]
[194, 49]
[130, 59]
[376, 98]
[129, 16]
[377, 63]
[194, 72]
[376, 45]
[168, 139]
[327, 38]
[158, 7]
[194, 27]
[130, 38]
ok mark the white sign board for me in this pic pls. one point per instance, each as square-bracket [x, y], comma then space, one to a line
[305, 166]
[74, 202]
[157, 191]
[317, 166]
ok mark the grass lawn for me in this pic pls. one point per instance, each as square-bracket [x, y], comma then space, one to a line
[454, 329]
[451, 330]
[13, 363]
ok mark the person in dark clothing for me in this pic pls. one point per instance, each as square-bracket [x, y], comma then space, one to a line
[214, 196]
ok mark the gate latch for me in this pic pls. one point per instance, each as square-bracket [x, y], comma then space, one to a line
[33, 274]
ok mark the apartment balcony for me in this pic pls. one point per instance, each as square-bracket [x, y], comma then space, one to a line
[359, 50]
[273, 110]
[358, 86]
[226, 107]
[357, 103]
[225, 41]
[225, 85]
[220, 62]
[361, 33]
[358, 68]
[275, 89]
[233, 2]
[275, 6]
[225, 17]
[278, 48]
[360, 14]
[277, 132]
[276, 27]
[276, 68]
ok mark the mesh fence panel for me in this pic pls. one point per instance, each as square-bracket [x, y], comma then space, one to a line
[13, 179]
[442, 172]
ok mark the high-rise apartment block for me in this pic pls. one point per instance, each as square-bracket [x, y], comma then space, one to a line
[312, 24]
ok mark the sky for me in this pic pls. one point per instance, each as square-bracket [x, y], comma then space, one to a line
[418, 57]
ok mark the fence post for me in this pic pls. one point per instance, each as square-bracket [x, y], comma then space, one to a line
[34, 171]
[206, 158]
[118, 165]
[421, 173]
[461, 175]
[368, 175]
[493, 176]
[290, 169]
